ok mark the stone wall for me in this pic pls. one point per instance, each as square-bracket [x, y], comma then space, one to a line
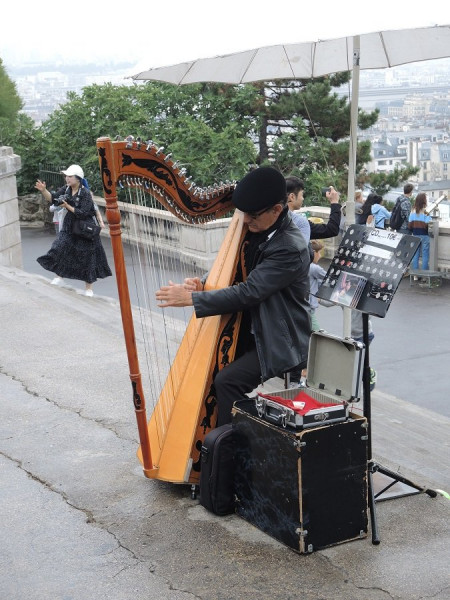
[10, 241]
[160, 230]
[33, 211]
[193, 245]
[321, 214]
[190, 244]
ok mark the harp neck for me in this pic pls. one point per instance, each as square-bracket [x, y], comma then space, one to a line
[132, 163]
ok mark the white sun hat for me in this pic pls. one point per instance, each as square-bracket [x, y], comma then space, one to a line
[74, 170]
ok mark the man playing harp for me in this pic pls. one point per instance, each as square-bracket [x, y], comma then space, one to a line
[273, 298]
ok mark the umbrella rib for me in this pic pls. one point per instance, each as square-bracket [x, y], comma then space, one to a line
[192, 64]
[289, 62]
[384, 48]
[313, 59]
[249, 64]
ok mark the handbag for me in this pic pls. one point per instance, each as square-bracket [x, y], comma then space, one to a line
[85, 229]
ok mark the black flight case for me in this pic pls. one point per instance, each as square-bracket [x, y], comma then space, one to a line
[306, 486]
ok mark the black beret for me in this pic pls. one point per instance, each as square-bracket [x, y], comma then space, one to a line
[260, 189]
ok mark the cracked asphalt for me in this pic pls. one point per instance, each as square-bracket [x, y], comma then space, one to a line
[79, 521]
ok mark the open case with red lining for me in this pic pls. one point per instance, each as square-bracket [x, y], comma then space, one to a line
[334, 380]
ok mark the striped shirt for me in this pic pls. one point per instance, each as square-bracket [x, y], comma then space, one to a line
[418, 223]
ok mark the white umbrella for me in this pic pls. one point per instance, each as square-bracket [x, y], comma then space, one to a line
[306, 60]
[310, 59]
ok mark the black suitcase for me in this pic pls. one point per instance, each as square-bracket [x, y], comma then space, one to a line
[306, 488]
[217, 471]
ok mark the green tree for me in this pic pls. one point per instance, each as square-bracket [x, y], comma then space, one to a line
[26, 140]
[10, 101]
[381, 183]
[324, 113]
[18, 131]
[304, 130]
[216, 130]
[197, 124]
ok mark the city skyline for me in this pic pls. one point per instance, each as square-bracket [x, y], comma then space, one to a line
[43, 87]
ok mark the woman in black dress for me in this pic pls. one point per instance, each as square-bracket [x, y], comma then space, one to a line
[72, 256]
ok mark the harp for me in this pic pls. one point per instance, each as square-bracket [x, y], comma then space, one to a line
[170, 442]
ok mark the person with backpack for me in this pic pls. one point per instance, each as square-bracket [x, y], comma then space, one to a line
[380, 213]
[401, 211]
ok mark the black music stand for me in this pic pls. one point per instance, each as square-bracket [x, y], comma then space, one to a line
[364, 275]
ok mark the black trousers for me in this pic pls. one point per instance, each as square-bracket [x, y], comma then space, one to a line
[295, 374]
[236, 380]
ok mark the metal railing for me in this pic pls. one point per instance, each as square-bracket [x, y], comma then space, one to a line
[52, 175]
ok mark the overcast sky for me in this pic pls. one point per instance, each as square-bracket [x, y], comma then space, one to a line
[164, 33]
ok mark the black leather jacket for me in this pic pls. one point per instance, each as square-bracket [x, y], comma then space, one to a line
[276, 292]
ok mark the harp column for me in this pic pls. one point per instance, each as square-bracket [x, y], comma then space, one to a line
[109, 179]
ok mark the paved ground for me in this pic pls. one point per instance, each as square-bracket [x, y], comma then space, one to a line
[79, 521]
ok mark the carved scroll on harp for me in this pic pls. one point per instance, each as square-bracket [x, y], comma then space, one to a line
[185, 409]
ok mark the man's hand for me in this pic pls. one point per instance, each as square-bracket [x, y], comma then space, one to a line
[193, 284]
[333, 195]
[174, 294]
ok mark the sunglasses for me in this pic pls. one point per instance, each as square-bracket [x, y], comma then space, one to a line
[255, 215]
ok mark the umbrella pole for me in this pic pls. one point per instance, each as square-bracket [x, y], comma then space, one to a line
[350, 205]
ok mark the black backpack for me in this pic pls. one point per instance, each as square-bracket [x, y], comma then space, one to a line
[217, 471]
[396, 220]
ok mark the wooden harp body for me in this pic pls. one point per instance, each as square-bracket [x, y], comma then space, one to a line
[170, 442]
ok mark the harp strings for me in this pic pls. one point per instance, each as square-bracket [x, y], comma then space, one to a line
[153, 261]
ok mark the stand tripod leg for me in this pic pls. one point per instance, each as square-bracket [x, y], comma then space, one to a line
[397, 478]
[372, 466]
[373, 515]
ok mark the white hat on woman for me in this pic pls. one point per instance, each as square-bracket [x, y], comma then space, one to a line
[74, 170]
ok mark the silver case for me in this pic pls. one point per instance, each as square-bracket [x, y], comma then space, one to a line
[335, 368]
[286, 417]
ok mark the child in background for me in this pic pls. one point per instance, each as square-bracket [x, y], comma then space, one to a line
[316, 276]
[297, 376]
